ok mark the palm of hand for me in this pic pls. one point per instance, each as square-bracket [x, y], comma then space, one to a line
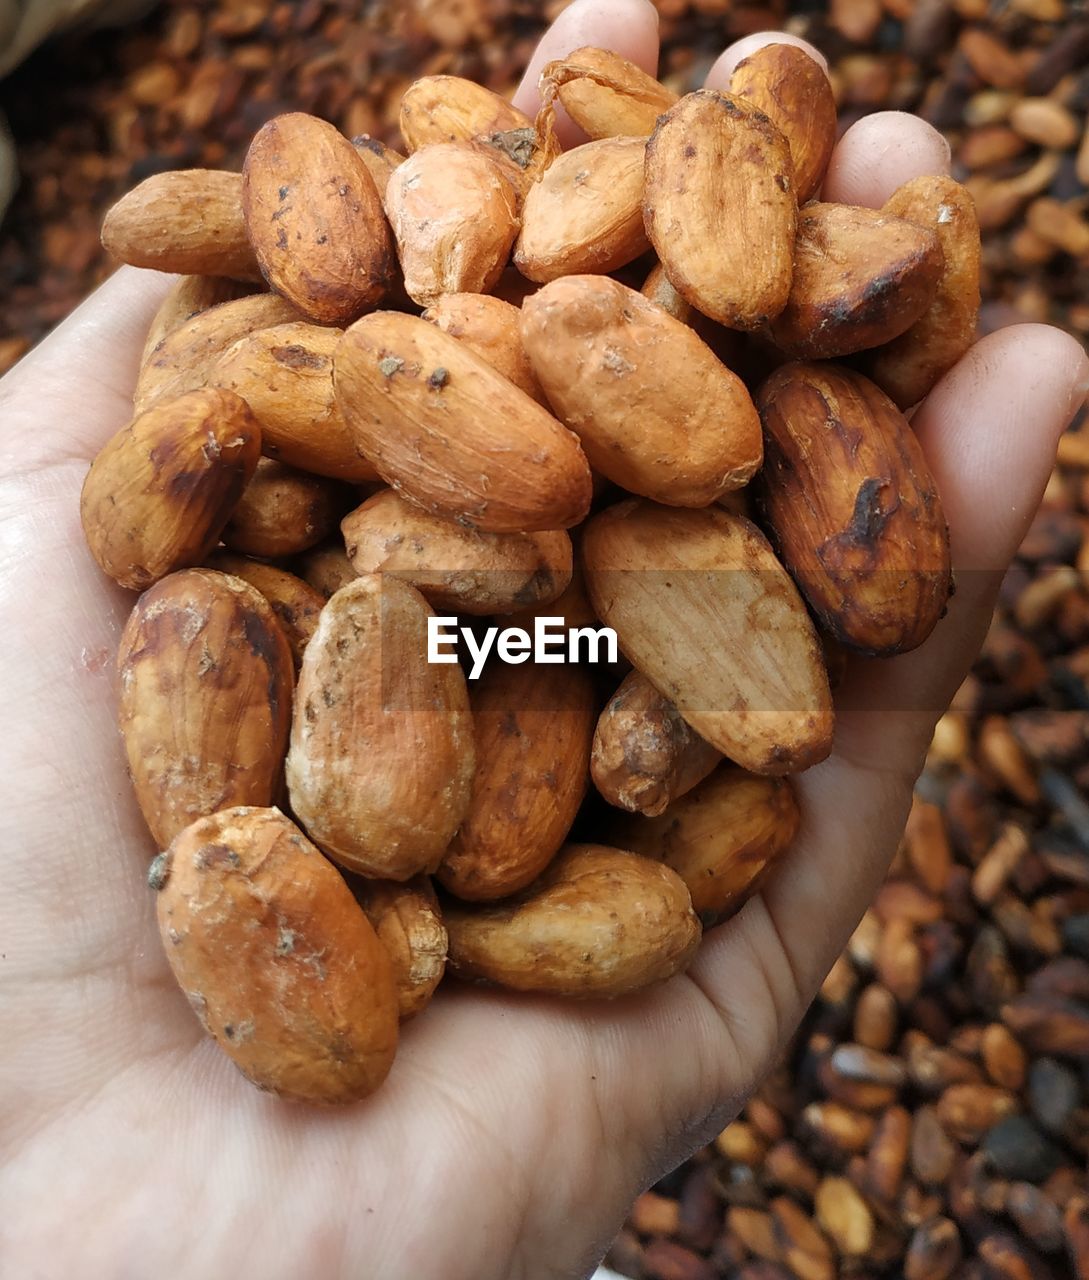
[512, 1133]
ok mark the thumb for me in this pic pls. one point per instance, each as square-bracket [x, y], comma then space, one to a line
[76, 385]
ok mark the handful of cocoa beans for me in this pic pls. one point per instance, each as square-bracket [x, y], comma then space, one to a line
[584, 390]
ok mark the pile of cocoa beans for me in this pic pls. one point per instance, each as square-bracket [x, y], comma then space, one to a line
[451, 359]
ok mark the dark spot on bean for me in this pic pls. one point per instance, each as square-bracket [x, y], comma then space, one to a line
[262, 643]
[869, 517]
[877, 288]
[295, 356]
[535, 587]
[183, 484]
[163, 452]
[216, 855]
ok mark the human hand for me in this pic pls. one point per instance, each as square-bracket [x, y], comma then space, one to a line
[513, 1133]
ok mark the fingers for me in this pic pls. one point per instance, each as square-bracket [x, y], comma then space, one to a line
[880, 153]
[990, 429]
[719, 75]
[627, 27]
[77, 384]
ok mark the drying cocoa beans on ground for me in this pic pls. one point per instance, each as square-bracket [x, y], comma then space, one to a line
[605, 507]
